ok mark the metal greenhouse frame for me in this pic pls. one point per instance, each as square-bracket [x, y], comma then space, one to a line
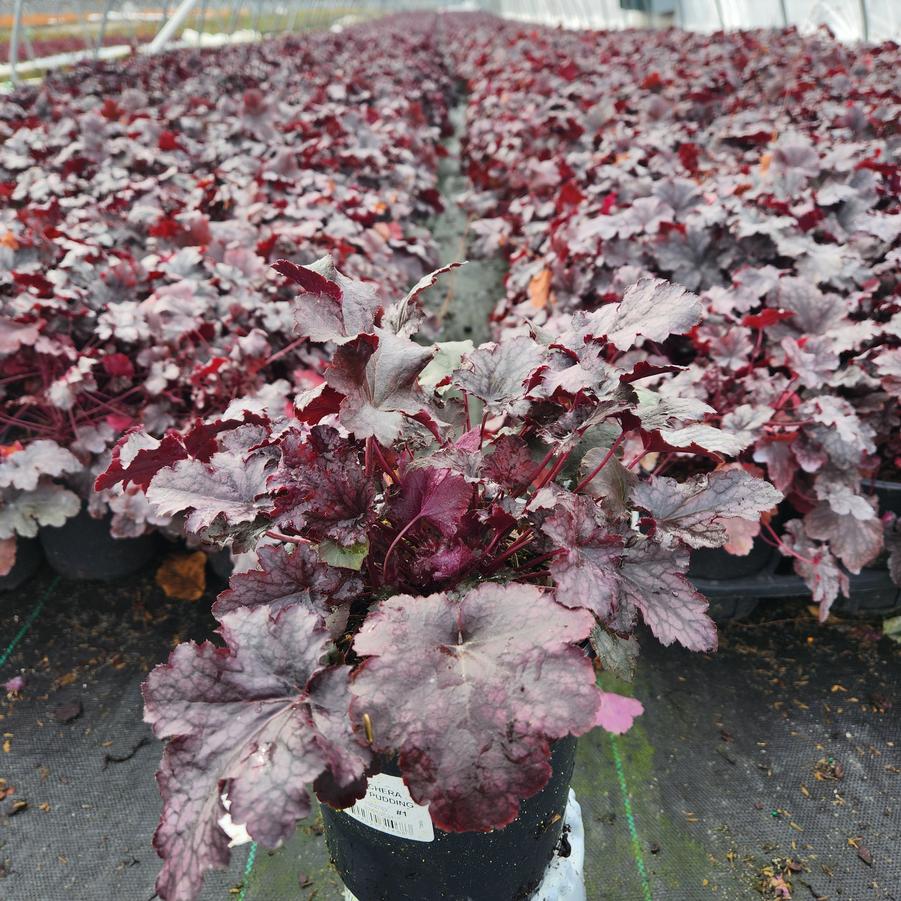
[208, 22]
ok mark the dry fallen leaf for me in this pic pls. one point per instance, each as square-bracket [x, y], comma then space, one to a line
[540, 288]
[183, 576]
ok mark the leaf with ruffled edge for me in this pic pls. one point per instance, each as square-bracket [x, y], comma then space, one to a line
[24, 512]
[322, 490]
[259, 720]
[816, 566]
[497, 373]
[586, 567]
[289, 577]
[226, 487]
[695, 510]
[467, 693]
[653, 308]
[404, 317]
[653, 581]
[377, 377]
[24, 468]
[331, 306]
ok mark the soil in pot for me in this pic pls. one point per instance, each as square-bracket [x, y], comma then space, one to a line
[83, 548]
[716, 563]
[28, 561]
[504, 865]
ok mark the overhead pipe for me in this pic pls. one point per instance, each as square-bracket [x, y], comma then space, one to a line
[101, 35]
[14, 41]
[175, 23]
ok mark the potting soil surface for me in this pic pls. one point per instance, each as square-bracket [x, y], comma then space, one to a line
[770, 769]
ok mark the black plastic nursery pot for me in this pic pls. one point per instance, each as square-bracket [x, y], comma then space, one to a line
[221, 564]
[503, 865]
[28, 560]
[716, 563]
[83, 548]
[889, 494]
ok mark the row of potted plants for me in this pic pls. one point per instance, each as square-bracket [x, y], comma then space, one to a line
[142, 205]
[758, 169]
[451, 540]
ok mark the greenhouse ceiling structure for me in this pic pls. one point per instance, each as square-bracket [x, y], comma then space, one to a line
[110, 28]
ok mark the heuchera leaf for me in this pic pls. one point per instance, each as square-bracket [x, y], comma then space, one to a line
[497, 373]
[437, 496]
[24, 512]
[344, 557]
[226, 487]
[653, 308]
[377, 376]
[467, 693]
[331, 307]
[322, 489]
[695, 510]
[856, 542]
[653, 581]
[404, 316]
[258, 719]
[585, 570]
[618, 712]
[617, 655]
[816, 566]
[138, 457]
[289, 577]
[510, 464]
[24, 468]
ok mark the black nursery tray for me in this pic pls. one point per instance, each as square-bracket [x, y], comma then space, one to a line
[872, 591]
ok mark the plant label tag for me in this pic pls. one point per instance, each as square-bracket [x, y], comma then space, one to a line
[389, 808]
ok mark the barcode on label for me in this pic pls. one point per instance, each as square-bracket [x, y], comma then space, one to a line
[371, 818]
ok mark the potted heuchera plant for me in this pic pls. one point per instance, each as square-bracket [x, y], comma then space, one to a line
[448, 538]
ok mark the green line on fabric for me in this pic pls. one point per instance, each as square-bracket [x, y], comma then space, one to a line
[248, 869]
[630, 819]
[29, 622]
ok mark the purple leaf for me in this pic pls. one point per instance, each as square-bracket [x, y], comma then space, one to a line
[696, 509]
[816, 566]
[780, 462]
[467, 693]
[617, 712]
[259, 719]
[437, 496]
[497, 373]
[404, 317]
[323, 491]
[311, 281]
[331, 307]
[226, 487]
[289, 577]
[653, 581]
[586, 572]
[856, 542]
[377, 375]
[510, 464]
[653, 308]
